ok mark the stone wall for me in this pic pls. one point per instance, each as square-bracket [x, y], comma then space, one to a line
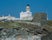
[40, 17]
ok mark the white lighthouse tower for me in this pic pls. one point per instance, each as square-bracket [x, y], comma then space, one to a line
[26, 15]
[28, 8]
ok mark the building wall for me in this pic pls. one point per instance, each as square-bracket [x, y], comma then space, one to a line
[26, 15]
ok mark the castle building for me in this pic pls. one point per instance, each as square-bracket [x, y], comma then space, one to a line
[26, 15]
[40, 18]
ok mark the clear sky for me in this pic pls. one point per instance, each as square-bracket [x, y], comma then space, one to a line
[14, 7]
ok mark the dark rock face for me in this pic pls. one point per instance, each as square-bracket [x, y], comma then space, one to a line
[14, 32]
[48, 37]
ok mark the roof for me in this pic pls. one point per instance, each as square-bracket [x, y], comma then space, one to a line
[28, 5]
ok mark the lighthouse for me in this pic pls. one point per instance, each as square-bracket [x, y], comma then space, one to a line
[28, 8]
[27, 15]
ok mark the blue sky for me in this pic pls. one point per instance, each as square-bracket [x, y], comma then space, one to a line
[14, 7]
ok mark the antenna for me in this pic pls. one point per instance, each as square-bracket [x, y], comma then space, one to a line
[47, 14]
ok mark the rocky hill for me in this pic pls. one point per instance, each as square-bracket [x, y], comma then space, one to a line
[33, 27]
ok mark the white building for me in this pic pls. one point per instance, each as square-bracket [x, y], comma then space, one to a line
[9, 17]
[23, 15]
[26, 15]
